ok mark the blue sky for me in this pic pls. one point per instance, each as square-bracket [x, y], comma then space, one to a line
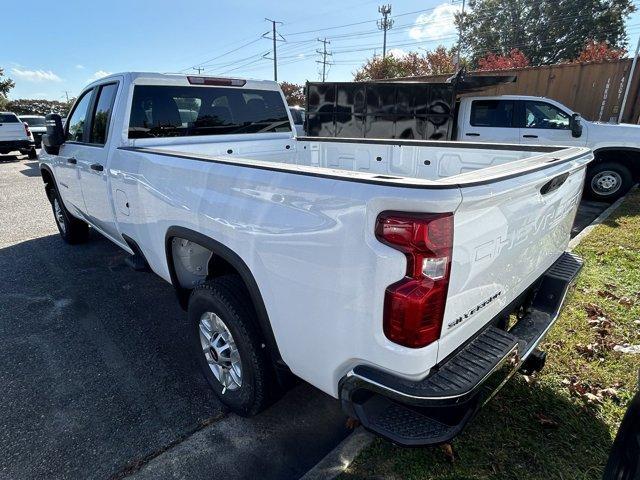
[64, 45]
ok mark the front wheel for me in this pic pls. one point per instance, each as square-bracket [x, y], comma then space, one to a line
[33, 154]
[607, 181]
[229, 346]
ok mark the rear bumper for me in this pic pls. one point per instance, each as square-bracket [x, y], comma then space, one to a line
[11, 145]
[436, 409]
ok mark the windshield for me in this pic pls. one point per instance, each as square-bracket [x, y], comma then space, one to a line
[166, 111]
[34, 121]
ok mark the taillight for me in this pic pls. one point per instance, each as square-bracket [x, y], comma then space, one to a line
[414, 306]
[27, 130]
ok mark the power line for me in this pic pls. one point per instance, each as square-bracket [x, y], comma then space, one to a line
[324, 54]
[385, 24]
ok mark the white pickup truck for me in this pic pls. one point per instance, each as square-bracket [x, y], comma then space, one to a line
[15, 135]
[542, 121]
[381, 271]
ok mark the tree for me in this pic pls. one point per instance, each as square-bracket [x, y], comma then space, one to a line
[441, 60]
[412, 64]
[546, 31]
[24, 106]
[293, 92]
[514, 59]
[599, 52]
[6, 84]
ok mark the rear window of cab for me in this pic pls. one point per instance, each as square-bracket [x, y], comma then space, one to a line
[180, 111]
[8, 118]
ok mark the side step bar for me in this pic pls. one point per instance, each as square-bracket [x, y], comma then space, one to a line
[436, 409]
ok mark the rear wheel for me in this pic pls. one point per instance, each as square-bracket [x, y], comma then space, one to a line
[608, 181]
[72, 230]
[229, 346]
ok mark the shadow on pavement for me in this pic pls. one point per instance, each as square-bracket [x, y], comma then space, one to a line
[96, 373]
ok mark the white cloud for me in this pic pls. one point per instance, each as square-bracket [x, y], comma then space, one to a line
[437, 24]
[35, 75]
[397, 52]
[80, 66]
[98, 75]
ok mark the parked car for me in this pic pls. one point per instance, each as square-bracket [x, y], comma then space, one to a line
[381, 271]
[15, 136]
[429, 111]
[297, 115]
[37, 127]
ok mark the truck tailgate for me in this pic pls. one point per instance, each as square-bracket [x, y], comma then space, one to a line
[506, 235]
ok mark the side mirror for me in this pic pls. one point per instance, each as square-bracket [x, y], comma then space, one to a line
[576, 125]
[55, 134]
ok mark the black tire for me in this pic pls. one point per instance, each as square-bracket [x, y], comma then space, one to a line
[33, 154]
[72, 230]
[612, 170]
[228, 298]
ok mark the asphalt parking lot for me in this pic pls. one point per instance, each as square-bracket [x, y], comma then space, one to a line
[95, 375]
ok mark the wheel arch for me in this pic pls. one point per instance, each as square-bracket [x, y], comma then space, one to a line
[627, 156]
[47, 177]
[238, 265]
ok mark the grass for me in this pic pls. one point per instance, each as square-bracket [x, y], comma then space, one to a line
[561, 423]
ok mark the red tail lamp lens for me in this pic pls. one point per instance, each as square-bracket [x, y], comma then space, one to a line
[414, 306]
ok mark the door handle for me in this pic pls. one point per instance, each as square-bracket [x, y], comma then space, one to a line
[529, 136]
[472, 134]
[97, 167]
[72, 161]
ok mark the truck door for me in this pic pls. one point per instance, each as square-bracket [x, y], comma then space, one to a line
[546, 124]
[66, 164]
[491, 121]
[92, 160]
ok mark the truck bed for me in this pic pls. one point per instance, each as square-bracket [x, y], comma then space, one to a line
[397, 162]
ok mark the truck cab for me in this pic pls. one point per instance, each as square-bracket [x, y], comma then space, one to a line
[529, 120]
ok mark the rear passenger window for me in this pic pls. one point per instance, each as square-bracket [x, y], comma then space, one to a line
[76, 122]
[102, 114]
[165, 111]
[492, 113]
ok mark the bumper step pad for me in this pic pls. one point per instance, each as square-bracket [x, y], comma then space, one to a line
[437, 408]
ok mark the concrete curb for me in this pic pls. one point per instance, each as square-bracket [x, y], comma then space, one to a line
[339, 459]
[575, 241]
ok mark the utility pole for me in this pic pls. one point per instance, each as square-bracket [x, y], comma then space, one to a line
[629, 81]
[324, 54]
[199, 69]
[457, 61]
[275, 38]
[67, 95]
[385, 24]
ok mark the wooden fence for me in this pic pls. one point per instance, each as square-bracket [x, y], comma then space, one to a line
[595, 90]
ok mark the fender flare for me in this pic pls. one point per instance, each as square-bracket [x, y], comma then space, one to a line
[48, 169]
[243, 270]
[617, 149]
